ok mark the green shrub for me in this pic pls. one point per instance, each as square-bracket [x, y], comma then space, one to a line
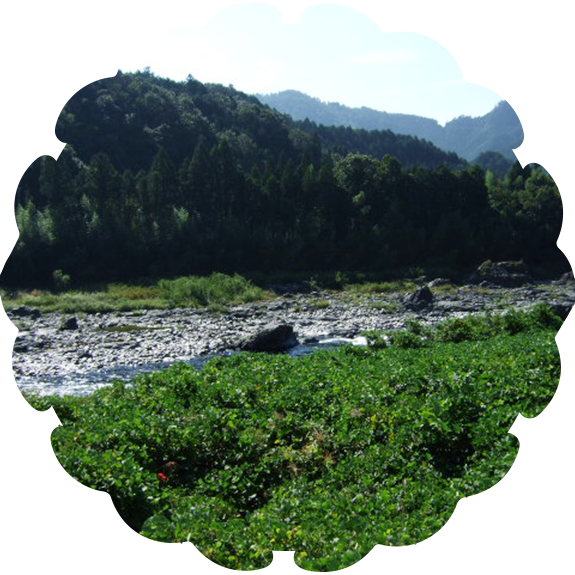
[325, 455]
[408, 339]
[60, 280]
[469, 328]
[376, 339]
[216, 289]
[463, 329]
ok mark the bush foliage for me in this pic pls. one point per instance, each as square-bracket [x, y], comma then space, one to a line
[468, 328]
[326, 454]
[216, 289]
[215, 292]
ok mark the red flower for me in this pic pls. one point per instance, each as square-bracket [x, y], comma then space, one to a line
[162, 477]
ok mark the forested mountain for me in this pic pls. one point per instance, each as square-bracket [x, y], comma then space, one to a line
[510, 127]
[533, 122]
[130, 117]
[163, 178]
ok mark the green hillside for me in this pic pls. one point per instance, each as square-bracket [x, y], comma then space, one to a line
[131, 116]
[162, 178]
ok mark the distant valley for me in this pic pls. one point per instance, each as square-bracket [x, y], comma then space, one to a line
[478, 140]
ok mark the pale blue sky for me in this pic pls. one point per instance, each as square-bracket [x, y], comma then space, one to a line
[336, 54]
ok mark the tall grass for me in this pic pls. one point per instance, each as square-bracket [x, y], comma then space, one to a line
[380, 287]
[216, 289]
[83, 301]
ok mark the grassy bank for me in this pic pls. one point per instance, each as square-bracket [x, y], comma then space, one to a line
[214, 292]
[326, 455]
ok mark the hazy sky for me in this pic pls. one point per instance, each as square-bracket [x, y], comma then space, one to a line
[337, 54]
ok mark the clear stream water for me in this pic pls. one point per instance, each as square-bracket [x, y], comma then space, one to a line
[84, 383]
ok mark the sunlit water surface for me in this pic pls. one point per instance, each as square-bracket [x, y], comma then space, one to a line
[84, 383]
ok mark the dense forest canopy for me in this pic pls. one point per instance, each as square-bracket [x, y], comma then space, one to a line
[162, 178]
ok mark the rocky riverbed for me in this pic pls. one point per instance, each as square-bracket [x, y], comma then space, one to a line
[56, 353]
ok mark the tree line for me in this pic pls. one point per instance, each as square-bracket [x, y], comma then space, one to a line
[161, 179]
[357, 213]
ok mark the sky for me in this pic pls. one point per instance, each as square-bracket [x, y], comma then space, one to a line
[336, 54]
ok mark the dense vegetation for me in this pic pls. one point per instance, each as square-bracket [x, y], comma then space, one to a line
[216, 292]
[163, 178]
[327, 454]
[499, 131]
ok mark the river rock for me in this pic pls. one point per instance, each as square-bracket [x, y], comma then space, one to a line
[419, 299]
[25, 311]
[505, 274]
[273, 338]
[69, 323]
[47, 360]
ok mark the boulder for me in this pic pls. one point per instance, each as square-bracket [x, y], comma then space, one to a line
[273, 338]
[437, 282]
[418, 299]
[504, 274]
[25, 311]
[69, 323]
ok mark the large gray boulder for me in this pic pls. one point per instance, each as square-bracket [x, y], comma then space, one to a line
[419, 299]
[504, 274]
[274, 338]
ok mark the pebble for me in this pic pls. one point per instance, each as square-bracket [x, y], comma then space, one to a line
[43, 350]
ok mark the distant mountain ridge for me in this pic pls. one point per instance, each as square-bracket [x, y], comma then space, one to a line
[130, 116]
[133, 115]
[498, 131]
[301, 106]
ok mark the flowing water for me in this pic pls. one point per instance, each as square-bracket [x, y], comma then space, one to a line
[84, 383]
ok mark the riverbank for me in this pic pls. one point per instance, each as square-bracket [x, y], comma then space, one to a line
[76, 353]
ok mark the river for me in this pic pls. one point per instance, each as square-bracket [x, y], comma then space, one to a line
[85, 382]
